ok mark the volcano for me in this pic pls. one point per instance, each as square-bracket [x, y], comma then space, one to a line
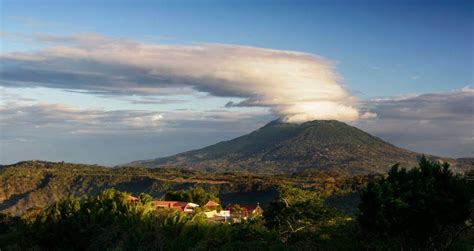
[280, 147]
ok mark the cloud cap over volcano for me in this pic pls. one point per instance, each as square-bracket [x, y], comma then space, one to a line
[296, 86]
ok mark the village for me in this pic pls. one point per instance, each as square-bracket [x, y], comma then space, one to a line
[213, 211]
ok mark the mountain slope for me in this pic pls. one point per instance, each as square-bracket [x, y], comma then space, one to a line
[284, 147]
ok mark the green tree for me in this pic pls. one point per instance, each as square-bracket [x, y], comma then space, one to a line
[106, 221]
[425, 207]
[145, 198]
[196, 195]
[296, 212]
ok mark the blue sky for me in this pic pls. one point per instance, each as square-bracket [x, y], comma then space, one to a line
[380, 49]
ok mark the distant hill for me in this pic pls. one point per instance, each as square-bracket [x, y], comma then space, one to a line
[283, 148]
[37, 183]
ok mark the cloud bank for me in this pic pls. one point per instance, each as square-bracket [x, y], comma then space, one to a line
[436, 123]
[58, 132]
[296, 86]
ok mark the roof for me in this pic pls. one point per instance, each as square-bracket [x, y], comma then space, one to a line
[132, 198]
[190, 204]
[211, 204]
[181, 205]
[250, 207]
[165, 203]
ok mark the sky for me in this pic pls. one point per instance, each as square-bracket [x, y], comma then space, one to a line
[110, 82]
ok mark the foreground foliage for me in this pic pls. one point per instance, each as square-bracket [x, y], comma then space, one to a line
[297, 211]
[426, 207]
[110, 221]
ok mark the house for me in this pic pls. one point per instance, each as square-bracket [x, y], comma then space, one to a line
[211, 214]
[253, 209]
[224, 214]
[243, 211]
[187, 207]
[211, 204]
[235, 211]
[218, 216]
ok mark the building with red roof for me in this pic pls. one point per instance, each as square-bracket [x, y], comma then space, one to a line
[175, 205]
[211, 204]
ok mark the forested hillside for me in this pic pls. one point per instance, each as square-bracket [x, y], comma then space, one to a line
[37, 183]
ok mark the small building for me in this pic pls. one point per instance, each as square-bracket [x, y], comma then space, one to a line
[211, 204]
[243, 211]
[222, 215]
[211, 214]
[253, 209]
[187, 207]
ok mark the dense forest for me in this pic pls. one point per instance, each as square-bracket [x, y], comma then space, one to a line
[423, 208]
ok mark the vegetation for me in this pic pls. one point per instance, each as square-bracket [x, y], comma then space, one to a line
[197, 195]
[38, 183]
[110, 221]
[302, 215]
[426, 207]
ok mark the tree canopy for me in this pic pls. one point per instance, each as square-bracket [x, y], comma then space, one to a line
[196, 195]
[426, 207]
[297, 211]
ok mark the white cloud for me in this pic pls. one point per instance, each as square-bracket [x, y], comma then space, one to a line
[296, 86]
[368, 115]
